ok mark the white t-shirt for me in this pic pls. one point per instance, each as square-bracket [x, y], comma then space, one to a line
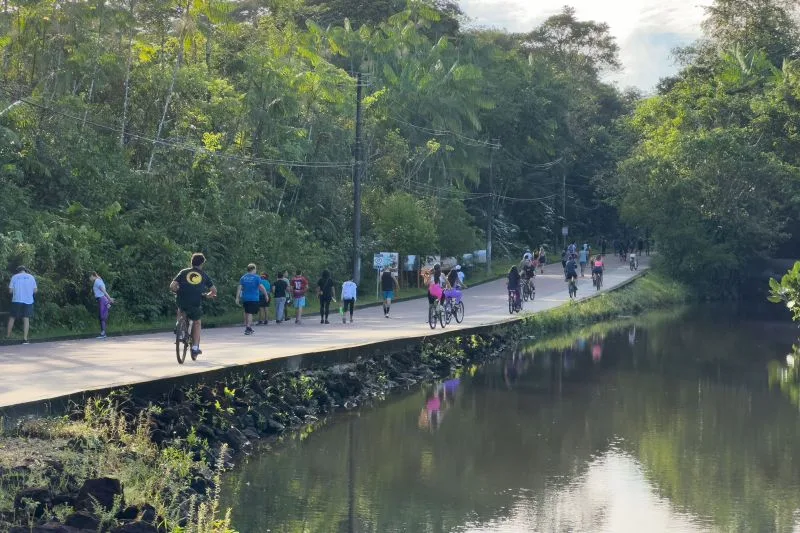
[23, 285]
[349, 290]
[460, 277]
[99, 288]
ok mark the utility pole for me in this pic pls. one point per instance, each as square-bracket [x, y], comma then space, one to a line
[490, 223]
[564, 202]
[358, 165]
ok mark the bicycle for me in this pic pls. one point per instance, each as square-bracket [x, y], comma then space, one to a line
[453, 306]
[528, 290]
[514, 302]
[597, 280]
[183, 338]
[436, 312]
[572, 287]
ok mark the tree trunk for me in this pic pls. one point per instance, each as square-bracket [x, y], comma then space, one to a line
[128, 68]
[175, 71]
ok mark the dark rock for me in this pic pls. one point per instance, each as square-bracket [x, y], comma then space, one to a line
[64, 499]
[148, 513]
[103, 490]
[251, 434]
[235, 439]
[274, 426]
[199, 485]
[206, 432]
[82, 520]
[129, 513]
[136, 527]
[39, 496]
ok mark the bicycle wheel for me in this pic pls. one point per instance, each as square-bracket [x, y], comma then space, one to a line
[441, 313]
[448, 313]
[458, 312]
[510, 304]
[432, 316]
[181, 340]
[525, 291]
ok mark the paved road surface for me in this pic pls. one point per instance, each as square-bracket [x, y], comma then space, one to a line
[48, 370]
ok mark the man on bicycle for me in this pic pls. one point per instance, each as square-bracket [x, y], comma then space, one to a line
[571, 269]
[527, 270]
[190, 286]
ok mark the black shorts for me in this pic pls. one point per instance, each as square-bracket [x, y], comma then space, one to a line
[251, 308]
[263, 302]
[20, 310]
[192, 312]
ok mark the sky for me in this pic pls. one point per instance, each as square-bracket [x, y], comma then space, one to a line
[646, 30]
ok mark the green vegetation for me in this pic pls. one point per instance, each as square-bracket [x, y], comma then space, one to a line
[105, 441]
[652, 291]
[714, 172]
[133, 132]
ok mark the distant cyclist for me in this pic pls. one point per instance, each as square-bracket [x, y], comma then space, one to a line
[571, 269]
[437, 278]
[597, 269]
[513, 284]
[190, 285]
[528, 272]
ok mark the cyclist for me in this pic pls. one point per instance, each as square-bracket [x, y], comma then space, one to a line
[513, 284]
[527, 256]
[527, 272]
[190, 285]
[597, 269]
[437, 278]
[453, 280]
[571, 270]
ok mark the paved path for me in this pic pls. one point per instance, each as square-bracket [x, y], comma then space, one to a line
[47, 370]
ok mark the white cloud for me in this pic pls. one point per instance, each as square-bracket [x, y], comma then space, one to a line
[646, 30]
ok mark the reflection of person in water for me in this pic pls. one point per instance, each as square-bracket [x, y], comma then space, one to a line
[440, 401]
[597, 348]
[632, 335]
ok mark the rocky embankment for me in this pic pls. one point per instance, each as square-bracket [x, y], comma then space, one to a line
[124, 463]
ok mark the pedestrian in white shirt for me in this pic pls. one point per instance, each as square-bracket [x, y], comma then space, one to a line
[349, 296]
[104, 301]
[22, 288]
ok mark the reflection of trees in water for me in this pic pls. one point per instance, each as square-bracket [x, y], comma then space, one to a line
[719, 450]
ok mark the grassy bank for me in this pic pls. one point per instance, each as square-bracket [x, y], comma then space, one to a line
[81, 323]
[652, 291]
[164, 449]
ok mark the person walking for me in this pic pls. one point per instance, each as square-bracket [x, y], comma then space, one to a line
[299, 286]
[325, 288]
[583, 258]
[279, 291]
[22, 288]
[542, 259]
[104, 301]
[264, 300]
[388, 284]
[248, 293]
[349, 296]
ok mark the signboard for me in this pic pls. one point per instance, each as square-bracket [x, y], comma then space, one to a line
[565, 230]
[390, 260]
[480, 256]
[411, 263]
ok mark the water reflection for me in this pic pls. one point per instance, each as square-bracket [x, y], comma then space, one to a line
[660, 425]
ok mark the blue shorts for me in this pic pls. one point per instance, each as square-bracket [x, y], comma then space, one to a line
[299, 303]
[388, 295]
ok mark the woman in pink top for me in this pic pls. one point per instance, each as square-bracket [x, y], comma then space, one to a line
[597, 270]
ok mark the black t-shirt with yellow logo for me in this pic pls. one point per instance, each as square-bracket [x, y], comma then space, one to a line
[192, 284]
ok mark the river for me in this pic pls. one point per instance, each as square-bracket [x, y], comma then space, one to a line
[676, 422]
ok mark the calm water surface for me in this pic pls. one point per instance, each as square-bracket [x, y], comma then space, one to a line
[673, 423]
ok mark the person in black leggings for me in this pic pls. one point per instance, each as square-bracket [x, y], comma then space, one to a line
[325, 293]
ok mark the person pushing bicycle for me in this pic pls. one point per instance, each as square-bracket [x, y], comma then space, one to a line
[190, 286]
